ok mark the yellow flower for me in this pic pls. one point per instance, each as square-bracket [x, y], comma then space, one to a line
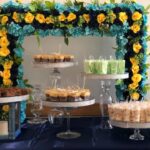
[8, 64]
[134, 61]
[6, 74]
[4, 20]
[135, 96]
[137, 47]
[40, 18]
[101, 18]
[4, 41]
[136, 78]
[49, 20]
[16, 17]
[134, 1]
[71, 17]
[123, 17]
[7, 82]
[4, 51]
[5, 108]
[135, 28]
[3, 32]
[86, 17]
[19, 1]
[136, 16]
[29, 17]
[133, 86]
[135, 69]
[62, 17]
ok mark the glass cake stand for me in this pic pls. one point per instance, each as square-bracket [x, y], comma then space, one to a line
[136, 126]
[105, 96]
[67, 107]
[55, 76]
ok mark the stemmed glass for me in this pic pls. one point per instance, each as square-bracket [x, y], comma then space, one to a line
[36, 105]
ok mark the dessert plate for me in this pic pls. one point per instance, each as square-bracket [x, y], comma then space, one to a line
[13, 99]
[69, 104]
[54, 65]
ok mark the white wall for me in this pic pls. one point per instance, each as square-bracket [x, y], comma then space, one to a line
[81, 47]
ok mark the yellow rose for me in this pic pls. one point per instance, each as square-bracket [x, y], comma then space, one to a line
[135, 28]
[16, 17]
[134, 61]
[123, 17]
[101, 18]
[19, 1]
[40, 18]
[134, 1]
[136, 78]
[133, 86]
[135, 96]
[71, 17]
[4, 41]
[4, 20]
[4, 51]
[136, 16]
[86, 18]
[6, 74]
[3, 32]
[135, 69]
[49, 20]
[137, 47]
[62, 17]
[5, 108]
[8, 64]
[7, 82]
[29, 17]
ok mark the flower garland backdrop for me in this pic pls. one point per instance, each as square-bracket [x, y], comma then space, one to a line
[127, 21]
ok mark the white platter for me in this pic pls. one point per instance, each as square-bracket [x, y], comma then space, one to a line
[13, 99]
[130, 125]
[106, 76]
[69, 104]
[54, 65]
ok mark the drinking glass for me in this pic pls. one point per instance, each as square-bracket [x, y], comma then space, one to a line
[36, 105]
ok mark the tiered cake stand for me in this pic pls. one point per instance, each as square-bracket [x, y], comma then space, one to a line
[136, 126]
[67, 106]
[55, 75]
[105, 124]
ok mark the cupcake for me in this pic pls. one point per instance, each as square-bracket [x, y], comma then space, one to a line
[73, 96]
[85, 94]
[53, 95]
[68, 58]
[51, 58]
[63, 96]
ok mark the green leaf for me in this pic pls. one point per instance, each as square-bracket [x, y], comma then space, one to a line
[66, 39]
[69, 3]
[33, 8]
[38, 38]
[147, 8]
[148, 38]
[50, 5]
[112, 1]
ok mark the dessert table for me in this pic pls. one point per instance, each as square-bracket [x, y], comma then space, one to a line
[43, 137]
